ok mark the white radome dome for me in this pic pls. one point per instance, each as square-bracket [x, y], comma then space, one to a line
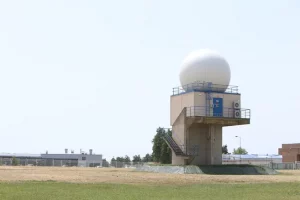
[205, 66]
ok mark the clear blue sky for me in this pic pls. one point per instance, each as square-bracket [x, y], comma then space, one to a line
[99, 74]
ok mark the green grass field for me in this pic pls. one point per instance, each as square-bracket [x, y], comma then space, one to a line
[73, 191]
[55, 183]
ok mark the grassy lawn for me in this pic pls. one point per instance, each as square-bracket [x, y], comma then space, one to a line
[72, 191]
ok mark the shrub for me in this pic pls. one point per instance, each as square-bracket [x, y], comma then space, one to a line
[15, 161]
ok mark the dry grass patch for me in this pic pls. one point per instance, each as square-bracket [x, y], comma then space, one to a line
[129, 176]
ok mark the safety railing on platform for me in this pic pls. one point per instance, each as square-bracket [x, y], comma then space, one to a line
[205, 87]
[206, 111]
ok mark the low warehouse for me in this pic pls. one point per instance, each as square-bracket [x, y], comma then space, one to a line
[80, 160]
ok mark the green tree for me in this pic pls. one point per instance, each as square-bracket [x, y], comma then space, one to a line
[127, 159]
[224, 149]
[136, 158]
[119, 162]
[15, 161]
[240, 151]
[105, 163]
[147, 158]
[160, 150]
[113, 162]
[120, 159]
[166, 155]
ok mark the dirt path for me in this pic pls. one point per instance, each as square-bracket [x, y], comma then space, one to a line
[112, 175]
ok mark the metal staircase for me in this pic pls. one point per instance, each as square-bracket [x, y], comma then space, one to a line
[189, 152]
[173, 145]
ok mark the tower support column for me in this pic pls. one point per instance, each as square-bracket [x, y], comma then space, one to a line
[208, 139]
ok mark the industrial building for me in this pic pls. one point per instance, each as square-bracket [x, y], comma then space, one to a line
[290, 152]
[67, 159]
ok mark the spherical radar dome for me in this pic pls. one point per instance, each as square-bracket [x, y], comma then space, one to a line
[205, 66]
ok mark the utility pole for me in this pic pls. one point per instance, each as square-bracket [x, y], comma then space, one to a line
[240, 148]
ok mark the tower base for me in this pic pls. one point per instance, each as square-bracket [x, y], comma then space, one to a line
[210, 169]
[204, 143]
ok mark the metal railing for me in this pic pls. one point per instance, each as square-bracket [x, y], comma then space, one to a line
[173, 145]
[205, 87]
[191, 150]
[120, 164]
[206, 111]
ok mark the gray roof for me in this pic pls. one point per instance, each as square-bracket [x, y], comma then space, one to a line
[20, 155]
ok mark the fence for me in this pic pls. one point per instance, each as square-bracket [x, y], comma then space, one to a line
[66, 163]
[268, 162]
[118, 164]
[251, 161]
[284, 166]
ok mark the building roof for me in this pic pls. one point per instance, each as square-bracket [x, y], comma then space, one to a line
[20, 155]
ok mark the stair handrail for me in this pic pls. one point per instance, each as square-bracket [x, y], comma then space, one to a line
[167, 136]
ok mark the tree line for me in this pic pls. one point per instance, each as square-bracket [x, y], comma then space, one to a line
[135, 158]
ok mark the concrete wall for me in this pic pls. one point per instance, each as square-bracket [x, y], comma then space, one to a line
[217, 141]
[179, 135]
[197, 135]
[178, 129]
[208, 138]
[228, 100]
[178, 160]
[178, 102]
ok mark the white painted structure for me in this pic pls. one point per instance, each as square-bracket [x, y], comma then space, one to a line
[205, 66]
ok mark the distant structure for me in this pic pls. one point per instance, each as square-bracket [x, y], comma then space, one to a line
[66, 159]
[201, 107]
[290, 152]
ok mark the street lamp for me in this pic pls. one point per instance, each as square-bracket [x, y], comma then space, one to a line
[240, 148]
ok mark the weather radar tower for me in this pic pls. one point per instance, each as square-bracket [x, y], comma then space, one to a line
[201, 107]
